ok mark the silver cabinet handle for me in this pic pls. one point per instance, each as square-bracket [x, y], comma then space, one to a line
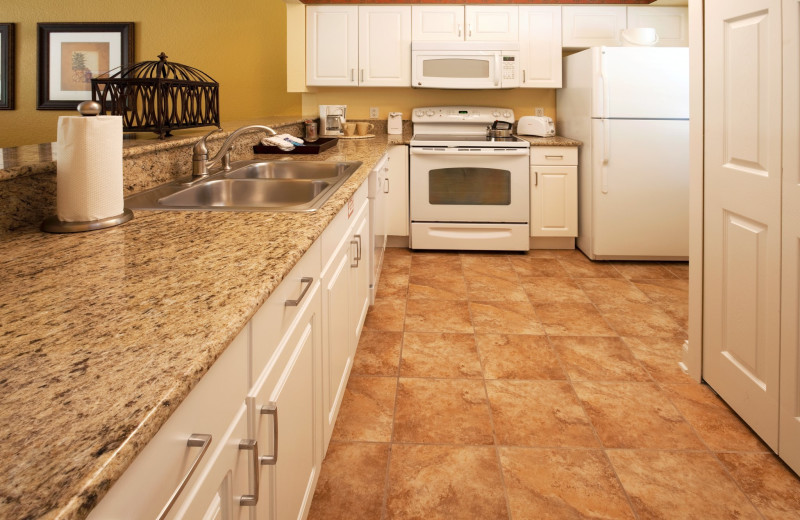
[352, 74]
[358, 237]
[251, 445]
[469, 30]
[386, 185]
[362, 75]
[196, 440]
[304, 280]
[459, 30]
[536, 182]
[553, 156]
[271, 409]
[354, 263]
[523, 76]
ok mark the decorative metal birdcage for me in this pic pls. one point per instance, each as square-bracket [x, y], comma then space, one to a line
[159, 96]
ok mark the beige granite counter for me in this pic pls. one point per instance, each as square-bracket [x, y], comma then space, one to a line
[103, 334]
[550, 141]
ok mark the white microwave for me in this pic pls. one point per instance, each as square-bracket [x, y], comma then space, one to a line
[465, 65]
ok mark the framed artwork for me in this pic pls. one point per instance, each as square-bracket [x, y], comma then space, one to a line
[7, 66]
[71, 54]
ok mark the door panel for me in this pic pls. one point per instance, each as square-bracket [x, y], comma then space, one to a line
[789, 444]
[742, 209]
[384, 46]
[540, 46]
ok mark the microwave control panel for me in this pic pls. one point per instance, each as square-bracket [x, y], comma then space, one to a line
[509, 67]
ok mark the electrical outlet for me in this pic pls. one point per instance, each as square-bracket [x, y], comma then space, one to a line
[539, 111]
[374, 113]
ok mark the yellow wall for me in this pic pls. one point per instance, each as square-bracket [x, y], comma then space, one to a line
[241, 44]
[359, 99]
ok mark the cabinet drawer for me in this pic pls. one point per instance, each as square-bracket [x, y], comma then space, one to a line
[554, 155]
[274, 317]
[146, 486]
[336, 230]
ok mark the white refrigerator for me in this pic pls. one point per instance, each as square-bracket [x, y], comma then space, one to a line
[630, 108]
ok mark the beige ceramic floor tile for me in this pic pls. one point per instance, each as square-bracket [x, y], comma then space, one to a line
[670, 295]
[432, 263]
[611, 290]
[518, 356]
[679, 269]
[635, 415]
[773, 488]
[562, 484]
[485, 288]
[598, 359]
[719, 427]
[640, 319]
[533, 267]
[505, 318]
[677, 485]
[572, 319]
[378, 353]
[352, 481]
[660, 357]
[437, 286]
[497, 266]
[450, 411]
[538, 413]
[393, 285]
[366, 410]
[445, 483]
[643, 270]
[440, 354]
[553, 290]
[582, 267]
[386, 314]
[438, 316]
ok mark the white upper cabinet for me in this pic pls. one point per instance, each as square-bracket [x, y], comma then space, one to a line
[459, 23]
[443, 23]
[592, 25]
[540, 46]
[384, 43]
[492, 23]
[332, 45]
[671, 23]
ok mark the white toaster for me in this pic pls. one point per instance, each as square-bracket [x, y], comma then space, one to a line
[541, 126]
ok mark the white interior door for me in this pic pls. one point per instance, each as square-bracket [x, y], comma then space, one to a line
[742, 264]
[789, 444]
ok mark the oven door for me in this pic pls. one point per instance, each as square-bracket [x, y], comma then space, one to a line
[469, 185]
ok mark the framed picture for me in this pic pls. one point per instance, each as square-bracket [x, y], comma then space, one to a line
[7, 66]
[71, 54]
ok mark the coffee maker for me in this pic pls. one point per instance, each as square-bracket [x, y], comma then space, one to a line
[332, 119]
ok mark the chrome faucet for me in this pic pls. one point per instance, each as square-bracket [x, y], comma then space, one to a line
[200, 161]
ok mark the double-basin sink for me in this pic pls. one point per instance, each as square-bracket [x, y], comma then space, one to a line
[254, 185]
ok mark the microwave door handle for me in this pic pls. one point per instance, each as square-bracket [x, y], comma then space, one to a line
[497, 70]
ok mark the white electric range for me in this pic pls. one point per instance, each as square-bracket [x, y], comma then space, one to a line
[467, 191]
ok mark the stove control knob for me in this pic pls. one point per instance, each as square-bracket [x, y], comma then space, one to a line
[430, 113]
[419, 113]
[506, 114]
[495, 113]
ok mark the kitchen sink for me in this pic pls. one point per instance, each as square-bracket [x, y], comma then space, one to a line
[252, 186]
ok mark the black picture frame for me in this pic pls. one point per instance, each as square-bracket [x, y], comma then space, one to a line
[7, 79]
[86, 49]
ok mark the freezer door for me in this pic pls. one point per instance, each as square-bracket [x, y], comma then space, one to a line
[641, 82]
[640, 189]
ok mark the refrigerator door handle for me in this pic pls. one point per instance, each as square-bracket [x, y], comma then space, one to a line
[604, 81]
[606, 157]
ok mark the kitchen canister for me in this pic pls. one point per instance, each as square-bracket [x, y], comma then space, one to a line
[89, 191]
[394, 124]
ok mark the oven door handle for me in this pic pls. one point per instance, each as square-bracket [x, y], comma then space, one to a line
[460, 152]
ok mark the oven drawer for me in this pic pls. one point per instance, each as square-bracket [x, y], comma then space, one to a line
[554, 155]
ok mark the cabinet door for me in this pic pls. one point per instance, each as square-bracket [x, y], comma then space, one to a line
[554, 201]
[671, 23]
[591, 26]
[494, 23]
[360, 266]
[384, 46]
[225, 490]
[397, 187]
[540, 46]
[331, 45]
[437, 23]
[337, 357]
[284, 413]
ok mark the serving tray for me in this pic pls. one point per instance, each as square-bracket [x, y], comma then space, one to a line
[321, 144]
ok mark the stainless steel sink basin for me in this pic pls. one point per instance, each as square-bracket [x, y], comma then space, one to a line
[252, 186]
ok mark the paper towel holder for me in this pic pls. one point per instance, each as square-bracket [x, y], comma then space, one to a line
[53, 224]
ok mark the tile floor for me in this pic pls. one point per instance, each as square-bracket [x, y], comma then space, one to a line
[537, 386]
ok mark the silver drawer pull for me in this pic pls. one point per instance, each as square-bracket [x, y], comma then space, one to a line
[271, 409]
[251, 445]
[537, 179]
[304, 280]
[354, 263]
[386, 185]
[553, 156]
[358, 237]
[196, 440]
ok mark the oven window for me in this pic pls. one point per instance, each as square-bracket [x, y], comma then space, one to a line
[455, 68]
[469, 186]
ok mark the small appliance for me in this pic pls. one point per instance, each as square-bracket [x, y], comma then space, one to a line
[465, 65]
[395, 123]
[332, 119]
[540, 126]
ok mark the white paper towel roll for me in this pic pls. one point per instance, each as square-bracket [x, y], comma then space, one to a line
[89, 168]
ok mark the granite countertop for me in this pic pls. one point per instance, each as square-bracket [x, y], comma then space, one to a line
[550, 141]
[104, 333]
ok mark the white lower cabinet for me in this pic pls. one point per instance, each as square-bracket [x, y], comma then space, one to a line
[397, 188]
[554, 191]
[249, 439]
